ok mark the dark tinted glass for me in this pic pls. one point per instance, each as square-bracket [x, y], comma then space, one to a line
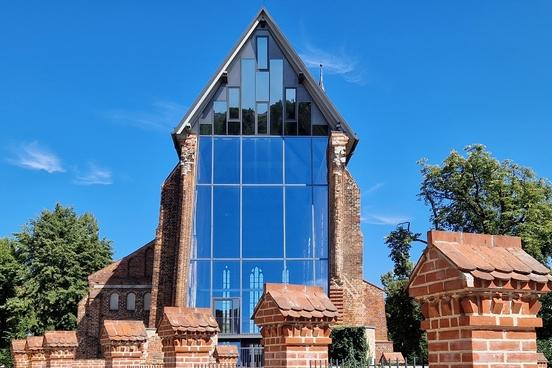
[204, 162]
[298, 219]
[226, 222]
[248, 96]
[291, 102]
[290, 128]
[233, 103]
[202, 223]
[205, 129]
[320, 130]
[304, 118]
[262, 161]
[262, 52]
[262, 222]
[276, 91]
[219, 119]
[227, 161]
[262, 118]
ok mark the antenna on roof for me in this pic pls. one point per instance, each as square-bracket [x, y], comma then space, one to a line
[321, 80]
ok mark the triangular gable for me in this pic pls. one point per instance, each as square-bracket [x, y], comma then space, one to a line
[319, 97]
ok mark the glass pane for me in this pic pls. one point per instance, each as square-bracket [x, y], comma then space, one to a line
[291, 101]
[233, 128]
[227, 160]
[233, 103]
[298, 160]
[227, 313]
[226, 276]
[205, 129]
[205, 160]
[202, 240]
[248, 96]
[276, 91]
[262, 118]
[226, 222]
[262, 52]
[262, 222]
[319, 162]
[300, 272]
[304, 118]
[262, 90]
[262, 160]
[299, 222]
[320, 202]
[250, 300]
[321, 274]
[320, 130]
[200, 284]
[290, 128]
[219, 109]
[257, 273]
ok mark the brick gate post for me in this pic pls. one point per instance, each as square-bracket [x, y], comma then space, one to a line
[60, 348]
[123, 343]
[479, 296]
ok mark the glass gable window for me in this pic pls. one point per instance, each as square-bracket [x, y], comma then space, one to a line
[261, 215]
[219, 117]
[248, 96]
[262, 118]
[262, 52]
[233, 110]
[276, 92]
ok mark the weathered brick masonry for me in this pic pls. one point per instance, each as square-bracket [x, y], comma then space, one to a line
[479, 296]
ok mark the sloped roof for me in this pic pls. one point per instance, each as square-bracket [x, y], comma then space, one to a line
[125, 330]
[300, 301]
[387, 357]
[18, 346]
[226, 350]
[60, 338]
[183, 319]
[318, 95]
[35, 342]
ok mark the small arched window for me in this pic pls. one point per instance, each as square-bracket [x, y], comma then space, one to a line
[131, 302]
[147, 301]
[114, 302]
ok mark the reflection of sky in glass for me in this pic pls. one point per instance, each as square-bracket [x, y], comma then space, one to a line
[264, 215]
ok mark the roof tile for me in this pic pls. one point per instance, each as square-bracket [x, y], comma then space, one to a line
[125, 330]
[183, 319]
[60, 339]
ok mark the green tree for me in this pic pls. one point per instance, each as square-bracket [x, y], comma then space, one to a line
[55, 252]
[349, 346]
[477, 193]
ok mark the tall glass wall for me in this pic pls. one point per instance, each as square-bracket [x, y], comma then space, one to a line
[260, 216]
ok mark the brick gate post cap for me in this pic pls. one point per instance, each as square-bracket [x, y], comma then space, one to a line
[18, 346]
[295, 301]
[457, 261]
[35, 342]
[124, 331]
[226, 351]
[63, 339]
[189, 320]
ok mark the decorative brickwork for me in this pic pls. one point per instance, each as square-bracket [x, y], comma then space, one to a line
[122, 343]
[60, 348]
[35, 350]
[226, 355]
[19, 353]
[479, 296]
[188, 335]
[295, 325]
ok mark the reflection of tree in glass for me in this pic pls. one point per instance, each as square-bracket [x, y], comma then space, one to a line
[276, 118]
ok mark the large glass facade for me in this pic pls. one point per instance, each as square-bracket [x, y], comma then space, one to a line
[261, 215]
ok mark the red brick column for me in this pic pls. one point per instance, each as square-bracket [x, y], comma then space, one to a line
[226, 355]
[188, 335]
[295, 325]
[35, 349]
[19, 354]
[60, 348]
[479, 296]
[122, 343]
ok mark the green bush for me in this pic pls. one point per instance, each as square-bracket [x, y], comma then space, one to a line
[349, 345]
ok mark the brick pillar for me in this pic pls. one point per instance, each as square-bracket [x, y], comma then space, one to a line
[188, 335]
[479, 297]
[19, 353]
[35, 349]
[295, 325]
[226, 355]
[60, 348]
[122, 343]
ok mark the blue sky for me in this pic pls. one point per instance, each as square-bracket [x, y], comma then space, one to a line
[90, 91]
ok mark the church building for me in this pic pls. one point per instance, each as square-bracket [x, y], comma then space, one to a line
[260, 193]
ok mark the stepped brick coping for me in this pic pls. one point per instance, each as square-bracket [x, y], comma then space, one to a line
[486, 261]
[35, 342]
[19, 346]
[183, 320]
[391, 358]
[124, 330]
[64, 339]
[298, 301]
[223, 351]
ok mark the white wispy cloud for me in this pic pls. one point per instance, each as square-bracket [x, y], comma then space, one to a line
[378, 219]
[94, 175]
[161, 116]
[374, 188]
[32, 156]
[337, 62]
